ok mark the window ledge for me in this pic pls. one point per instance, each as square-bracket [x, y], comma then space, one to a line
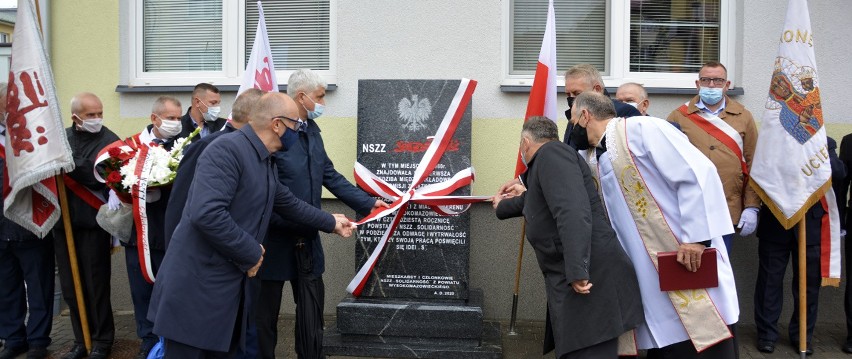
[223, 88]
[736, 91]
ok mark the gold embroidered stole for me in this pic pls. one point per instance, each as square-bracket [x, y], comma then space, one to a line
[696, 310]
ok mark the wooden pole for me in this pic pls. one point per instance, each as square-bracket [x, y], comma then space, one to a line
[803, 297]
[72, 256]
[69, 235]
[517, 280]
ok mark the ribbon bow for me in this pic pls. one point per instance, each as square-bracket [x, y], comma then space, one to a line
[435, 195]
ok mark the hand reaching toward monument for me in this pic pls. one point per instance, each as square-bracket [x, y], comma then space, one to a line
[505, 188]
[380, 204]
[253, 271]
[343, 227]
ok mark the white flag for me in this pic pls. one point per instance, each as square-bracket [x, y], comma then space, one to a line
[791, 170]
[260, 72]
[36, 148]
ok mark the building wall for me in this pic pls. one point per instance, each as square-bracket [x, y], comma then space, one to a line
[446, 39]
[7, 29]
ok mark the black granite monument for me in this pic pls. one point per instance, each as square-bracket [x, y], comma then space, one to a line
[417, 302]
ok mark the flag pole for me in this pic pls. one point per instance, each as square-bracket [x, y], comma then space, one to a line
[517, 280]
[72, 256]
[69, 235]
[803, 298]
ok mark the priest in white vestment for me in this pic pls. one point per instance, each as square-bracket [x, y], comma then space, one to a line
[662, 194]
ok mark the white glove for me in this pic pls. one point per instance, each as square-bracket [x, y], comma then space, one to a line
[748, 221]
[113, 203]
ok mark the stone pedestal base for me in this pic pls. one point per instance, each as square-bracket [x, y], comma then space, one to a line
[413, 329]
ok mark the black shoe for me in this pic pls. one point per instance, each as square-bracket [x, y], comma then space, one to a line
[76, 352]
[37, 353]
[100, 352]
[765, 346]
[847, 348]
[12, 353]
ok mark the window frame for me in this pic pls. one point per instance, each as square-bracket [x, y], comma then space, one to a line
[618, 51]
[233, 42]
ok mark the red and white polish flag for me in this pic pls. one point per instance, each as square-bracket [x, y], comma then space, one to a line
[542, 101]
[36, 148]
[260, 71]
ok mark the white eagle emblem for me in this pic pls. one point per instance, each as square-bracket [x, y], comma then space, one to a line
[412, 113]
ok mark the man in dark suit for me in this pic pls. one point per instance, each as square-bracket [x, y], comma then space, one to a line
[776, 246]
[304, 167]
[582, 78]
[592, 290]
[199, 299]
[203, 111]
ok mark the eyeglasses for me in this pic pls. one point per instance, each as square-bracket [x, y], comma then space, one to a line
[716, 81]
[300, 125]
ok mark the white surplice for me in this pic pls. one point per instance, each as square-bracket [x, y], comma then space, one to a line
[687, 188]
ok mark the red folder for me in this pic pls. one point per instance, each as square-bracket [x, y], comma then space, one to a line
[674, 276]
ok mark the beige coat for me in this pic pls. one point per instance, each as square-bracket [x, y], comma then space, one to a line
[738, 194]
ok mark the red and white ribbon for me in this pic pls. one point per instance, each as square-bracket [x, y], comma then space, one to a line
[435, 195]
[140, 214]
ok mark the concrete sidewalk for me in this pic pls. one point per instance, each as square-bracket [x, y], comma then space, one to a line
[527, 344]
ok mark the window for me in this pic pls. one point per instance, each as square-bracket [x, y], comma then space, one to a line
[182, 42]
[659, 43]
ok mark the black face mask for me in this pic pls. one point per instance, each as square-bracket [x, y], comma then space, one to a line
[570, 102]
[579, 137]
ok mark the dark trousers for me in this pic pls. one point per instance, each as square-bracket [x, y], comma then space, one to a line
[729, 243]
[93, 261]
[607, 349]
[251, 348]
[269, 305]
[726, 349]
[773, 256]
[177, 350]
[140, 292]
[29, 262]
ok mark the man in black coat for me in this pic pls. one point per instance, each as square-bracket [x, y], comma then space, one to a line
[199, 300]
[592, 290]
[87, 137]
[203, 111]
[26, 278]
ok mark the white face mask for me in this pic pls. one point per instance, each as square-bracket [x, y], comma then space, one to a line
[635, 105]
[212, 113]
[92, 125]
[169, 128]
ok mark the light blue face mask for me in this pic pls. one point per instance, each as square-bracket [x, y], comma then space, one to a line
[710, 95]
[318, 108]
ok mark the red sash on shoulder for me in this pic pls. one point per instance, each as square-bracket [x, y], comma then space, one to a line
[718, 134]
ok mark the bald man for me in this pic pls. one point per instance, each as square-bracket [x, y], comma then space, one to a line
[200, 298]
[87, 137]
[634, 95]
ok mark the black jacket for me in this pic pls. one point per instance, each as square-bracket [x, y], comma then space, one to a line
[84, 149]
[573, 240]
